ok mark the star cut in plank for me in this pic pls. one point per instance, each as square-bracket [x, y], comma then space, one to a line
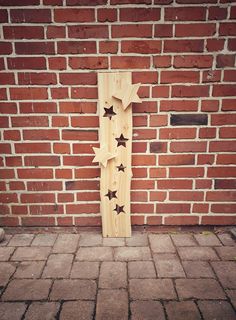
[121, 167]
[119, 209]
[121, 141]
[109, 112]
[111, 194]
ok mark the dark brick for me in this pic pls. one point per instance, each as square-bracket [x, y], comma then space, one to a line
[225, 184]
[188, 119]
[157, 147]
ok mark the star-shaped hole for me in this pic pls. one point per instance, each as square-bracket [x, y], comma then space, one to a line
[109, 112]
[121, 141]
[121, 167]
[119, 209]
[111, 194]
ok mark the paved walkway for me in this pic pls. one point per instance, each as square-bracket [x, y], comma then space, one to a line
[149, 276]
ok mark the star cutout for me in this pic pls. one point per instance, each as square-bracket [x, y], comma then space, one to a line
[102, 155]
[121, 141]
[109, 112]
[119, 209]
[121, 167]
[111, 194]
[128, 94]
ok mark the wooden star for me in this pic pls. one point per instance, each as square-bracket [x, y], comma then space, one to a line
[121, 141]
[121, 167]
[111, 194]
[102, 155]
[128, 94]
[109, 112]
[119, 209]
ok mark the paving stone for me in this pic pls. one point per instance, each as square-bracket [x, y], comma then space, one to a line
[85, 270]
[179, 310]
[21, 240]
[31, 253]
[26, 289]
[197, 253]
[44, 240]
[225, 271]
[112, 304]
[132, 253]
[6, 271]
[94, 254]
[90, 240]
[6, 240]
[161, 243]
[12, 311]
[147, 310]
[168, 266]
[207, 239]
[5, 253]
[226, 239]
[71, 310]
[226, 253]
[73, 290]
[199, 289]
[58, 266]
[198, 269]
[183, 240]
[113, 275]
[232, 296]
[145, 289]
[137, 240]
[141, 269]
[29, 269]
[66, 243]
[217, 310]
[113, 242]
[42, 311]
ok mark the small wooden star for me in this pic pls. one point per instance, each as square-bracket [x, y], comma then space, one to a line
[102, 155]
[109, 112]
[119, 209]
[128, 94]
[121, 167]
[121, 141]
[111, 194]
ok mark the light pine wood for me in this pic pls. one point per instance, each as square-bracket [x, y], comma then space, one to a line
[128, 94]
[115, 128]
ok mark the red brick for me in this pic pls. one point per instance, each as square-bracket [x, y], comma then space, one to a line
[207, 133]
[8, 198]
[88, 196]
[84, 148]
[177, 133]
[35, 173]
[78, 161]
[88, 31]
[74, 15]
[142, 184]
[158, 120]
[225, 183]
[205, 159]
[140, 196]
[174, 184]
[221, 119]
[141, 46]
[188, 146]
[186, 196]
[108, 47]
[107, 15]
[203, 184]
[228, 132]
[221, 172]
[2, 64]
[176, 160]
[3, 16]
[4, 122]
[9, 221]
[142, 208]
[227, 29]
[58, 63]
[131, 31]
[7, 174]
[179, 77]
[200, 208]
[55, 32]
[78, 79]
[30, 121]
[157, 172]
[225, 60]
[173, 208]
[86, 3]
[226, 158]
[186, 172]
[36, 63]
[140, 121]
[19, 210]
[28, 93]
[37, 198]
[61, 148]
[32, 78]
[144, 134]
[23, 32]
[160, 91]
[33, 48]
[162, 61]
[195, 30]
[186, 220]
[87, 173]
[21, 3]
[215, 45]
[82, 208]
[44, 185]
[139, 172]
[88, 221]
[76, 47]
[185, 13]
[12, 135]
[43, 209]
[221, 196]
[159, 196]
[82, 185]
[178, 105]
[5, 148]
[13, 161]
[211, 76]
[232, 44]
[217, 13]
[190, 91]
[219, 220]
[53, 2]
[139, 14]
[210, 105]
[228, 105]
[46, 134]
[7, 78]
[65, 197]
[163, 30]
[230, 75]
[38, 221]
[131, 1]
[223, 208]
[130, 62]
[89, 63]
[143, 160]
[65, 221]
[222, 146]
[78, 107]
[32, 147]
[145, 107]
[42, 161]
[82, 135]
[158, 147]
[193, 61]
[38, 107]
[59, 93]
[5, 48]
[63, 173]
[183, 46]
[30, 16]
[153, 221]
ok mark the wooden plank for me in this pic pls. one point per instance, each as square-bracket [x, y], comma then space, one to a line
[116, 137]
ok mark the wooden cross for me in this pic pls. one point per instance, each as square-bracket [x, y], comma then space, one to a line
[116, 93]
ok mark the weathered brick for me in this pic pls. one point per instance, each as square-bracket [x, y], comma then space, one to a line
[85, 270]
[13, 311]
[188, 119]
[179, 309]
[71, 309]
[113, 275]
[197, 253]
[168, 266]
[38, 309]
[216, 309]
[132, 253]
[58, 266]
[141, 269]
[147, 310]
[29, 269]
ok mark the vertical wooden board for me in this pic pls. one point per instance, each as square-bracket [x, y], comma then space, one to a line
[117, 180]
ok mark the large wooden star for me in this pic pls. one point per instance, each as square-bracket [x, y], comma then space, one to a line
[128, 94]
[102, 155]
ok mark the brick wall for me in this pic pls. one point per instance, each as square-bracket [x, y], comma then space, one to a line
[183, 53]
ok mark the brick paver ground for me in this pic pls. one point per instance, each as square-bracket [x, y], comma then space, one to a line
[150, 276]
